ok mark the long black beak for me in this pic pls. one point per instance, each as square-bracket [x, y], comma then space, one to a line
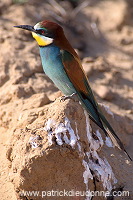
[26, 27]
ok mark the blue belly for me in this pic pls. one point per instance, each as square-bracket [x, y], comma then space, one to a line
[54, 69]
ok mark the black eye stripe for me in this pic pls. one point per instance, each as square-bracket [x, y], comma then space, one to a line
[45, 33]
[41, 32]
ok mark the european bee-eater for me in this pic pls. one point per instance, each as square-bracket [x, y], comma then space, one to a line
[63, 66]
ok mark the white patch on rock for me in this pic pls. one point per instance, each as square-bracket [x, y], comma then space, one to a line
[94, 144]
[73, 138]
[88, 127]
[98, 134]
[49, 124]
[78, 138]
[87, 175]
[102, 170]
[108, 142]
[32, 142]
[60, 131]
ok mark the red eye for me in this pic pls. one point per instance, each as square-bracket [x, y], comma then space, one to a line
[42, 31]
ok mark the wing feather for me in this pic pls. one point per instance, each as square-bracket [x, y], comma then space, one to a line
[80, 82]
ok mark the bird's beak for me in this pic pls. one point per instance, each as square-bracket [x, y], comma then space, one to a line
[26, 27]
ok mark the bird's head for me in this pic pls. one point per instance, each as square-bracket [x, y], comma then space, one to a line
[45, 32]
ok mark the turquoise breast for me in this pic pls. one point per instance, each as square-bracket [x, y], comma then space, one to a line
[54, 69]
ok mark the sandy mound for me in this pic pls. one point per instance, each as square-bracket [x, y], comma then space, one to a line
[59, 150]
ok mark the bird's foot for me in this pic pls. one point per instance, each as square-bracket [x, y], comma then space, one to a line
[63, 98]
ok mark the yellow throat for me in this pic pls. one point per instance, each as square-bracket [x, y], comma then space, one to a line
[42, 40]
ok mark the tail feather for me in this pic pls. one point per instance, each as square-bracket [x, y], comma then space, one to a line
[109, 130]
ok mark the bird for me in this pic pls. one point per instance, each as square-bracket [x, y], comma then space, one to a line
[63, 66]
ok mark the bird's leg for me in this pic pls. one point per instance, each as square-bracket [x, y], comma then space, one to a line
[63, 98]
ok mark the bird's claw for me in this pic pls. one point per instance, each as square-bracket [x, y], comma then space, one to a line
[63, 98]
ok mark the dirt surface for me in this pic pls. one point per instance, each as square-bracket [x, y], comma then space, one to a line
[102, 34]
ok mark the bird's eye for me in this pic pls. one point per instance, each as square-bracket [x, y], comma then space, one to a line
[42, 32]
